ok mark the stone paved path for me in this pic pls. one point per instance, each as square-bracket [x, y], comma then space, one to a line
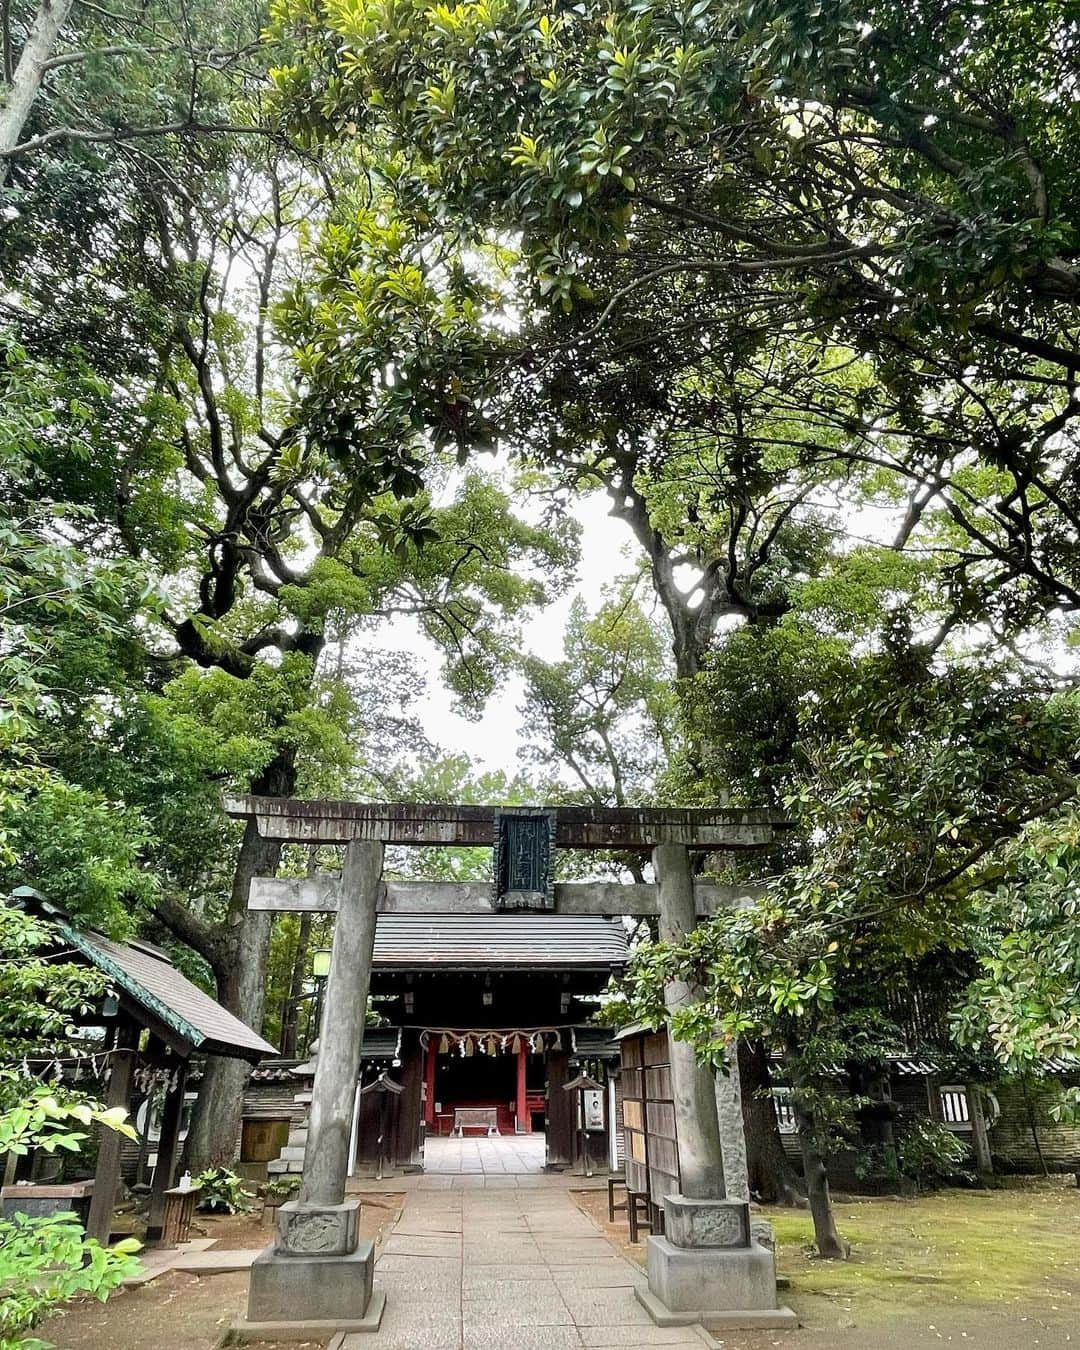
[519, 1154]
[507, 1269]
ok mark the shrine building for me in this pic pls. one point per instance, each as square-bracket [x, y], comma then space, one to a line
[489, 1013]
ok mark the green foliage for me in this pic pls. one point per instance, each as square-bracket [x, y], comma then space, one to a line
[711, 256]
[281, 1188]
[920, 797]
[926, 1153]
[45, 1261]
[221, 1191]
[604, 713]
[39, 997]
[1025, 1002]
[44, 1118]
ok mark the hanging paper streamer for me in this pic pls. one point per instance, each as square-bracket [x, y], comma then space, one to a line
[487, 1041]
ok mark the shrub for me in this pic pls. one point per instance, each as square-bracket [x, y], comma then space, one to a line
[925, 1154]
[46, 1260]
[221, 1191]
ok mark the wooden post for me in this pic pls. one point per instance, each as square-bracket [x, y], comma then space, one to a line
[406, 1151]
[167, 1151]
[429, 1105]
[559, 1135]
[107, 1176]
[341, 1033]
[524, 1121]
[701, 1164]
[980, 1137]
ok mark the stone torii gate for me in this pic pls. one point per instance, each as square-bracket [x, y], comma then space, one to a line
[317, 1275]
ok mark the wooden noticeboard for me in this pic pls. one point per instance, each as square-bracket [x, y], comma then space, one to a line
[649, 1143]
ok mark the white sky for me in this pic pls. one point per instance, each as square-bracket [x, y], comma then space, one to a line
[607, 551]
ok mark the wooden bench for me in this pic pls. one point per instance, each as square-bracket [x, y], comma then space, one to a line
[612, 1207]
[476, 1118]
[647, 1219]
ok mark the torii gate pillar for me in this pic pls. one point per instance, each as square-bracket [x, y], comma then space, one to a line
[706, 1268]
[318, 1270]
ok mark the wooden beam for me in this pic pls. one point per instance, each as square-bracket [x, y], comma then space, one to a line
[111, 1142]
[637, 829]
[319, 895]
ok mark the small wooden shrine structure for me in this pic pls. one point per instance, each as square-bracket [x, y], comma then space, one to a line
[153, 1020]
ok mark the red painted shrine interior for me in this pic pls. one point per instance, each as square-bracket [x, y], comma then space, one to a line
[512, 1082]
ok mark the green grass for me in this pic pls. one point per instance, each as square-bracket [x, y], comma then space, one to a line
[955, 1247]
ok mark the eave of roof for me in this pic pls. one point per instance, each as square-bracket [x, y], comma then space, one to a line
[541, 941]
[155, 984]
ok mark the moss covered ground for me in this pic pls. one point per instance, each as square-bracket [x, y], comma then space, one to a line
[993, 1269]
[956, 1247]
[986, 1270]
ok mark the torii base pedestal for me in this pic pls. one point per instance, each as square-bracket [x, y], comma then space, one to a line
[317, 1274]
[707, 1269]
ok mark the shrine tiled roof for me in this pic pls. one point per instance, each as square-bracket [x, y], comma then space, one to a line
[146, 978]
[149, 978]
[519, 940]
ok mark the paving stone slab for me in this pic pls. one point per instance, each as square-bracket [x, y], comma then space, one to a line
[393, 1263]
[605, 1307]
[596, 1275]
[509, 1273]
[480, 1337]
[534, 1304]
[513, 1250]
[630, 1338]
[574, 1250]
[422, 1246]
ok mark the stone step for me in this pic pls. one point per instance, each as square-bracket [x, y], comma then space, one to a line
[282, 1167]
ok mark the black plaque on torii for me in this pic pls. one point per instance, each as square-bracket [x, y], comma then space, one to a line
[524, 858]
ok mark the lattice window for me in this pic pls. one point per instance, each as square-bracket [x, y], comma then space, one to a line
[955, 1109]
[785, 1112]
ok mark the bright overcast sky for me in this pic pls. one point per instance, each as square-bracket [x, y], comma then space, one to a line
[493, 741]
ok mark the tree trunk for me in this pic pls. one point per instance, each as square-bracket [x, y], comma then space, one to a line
[829, 1243]
[290, 1019]
[1033, 1123]
[17, 99]
[773, 1179]
[240, 969]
